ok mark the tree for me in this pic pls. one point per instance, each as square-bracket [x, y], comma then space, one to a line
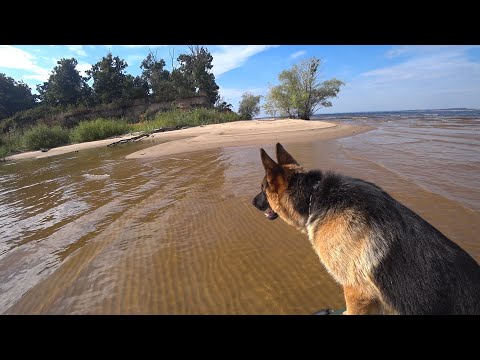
[270, 105]
[65, 85]
[14, 96]
[109, 79]
[300, 94]
[135, 88]
[248, 107]
[194, 74]
[182, 84]
[157, 78]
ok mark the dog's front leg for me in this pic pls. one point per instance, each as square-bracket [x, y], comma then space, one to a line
[359, 302]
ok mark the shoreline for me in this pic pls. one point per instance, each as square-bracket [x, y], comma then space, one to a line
[66, 149]
[237, 133]
[247, 133]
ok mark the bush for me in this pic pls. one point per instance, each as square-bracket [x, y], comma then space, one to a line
[10, 142]
[4, 151]
[42, 136]
[98, 129]
[196, 117]
[28, 117]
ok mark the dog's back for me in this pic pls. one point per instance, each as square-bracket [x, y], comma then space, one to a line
[421, 270]
[437, 276]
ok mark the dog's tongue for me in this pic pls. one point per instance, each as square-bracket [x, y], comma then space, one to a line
[271, 215]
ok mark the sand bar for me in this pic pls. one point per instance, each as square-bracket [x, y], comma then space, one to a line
[213, 136]
[66, 149]
[244, 133]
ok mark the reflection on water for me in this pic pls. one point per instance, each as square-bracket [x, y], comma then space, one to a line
[93, 233]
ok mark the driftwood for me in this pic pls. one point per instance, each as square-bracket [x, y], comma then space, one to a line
[154, 131]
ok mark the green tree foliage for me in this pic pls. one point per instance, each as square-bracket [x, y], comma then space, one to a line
[194, 74]
[14, 96]
[135, 88]
[157, 78]
[109, 79]
[67, 98]
[182, 85]
[65, 85]
[270, 106]
[300, 93]
[249, 106]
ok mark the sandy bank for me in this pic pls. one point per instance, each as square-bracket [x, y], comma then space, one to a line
[66, 149]
[243, 133]
[217, 135]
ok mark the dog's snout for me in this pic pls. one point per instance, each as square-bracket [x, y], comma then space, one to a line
[260, 202]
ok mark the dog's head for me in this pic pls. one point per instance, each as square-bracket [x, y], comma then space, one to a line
[273, 197]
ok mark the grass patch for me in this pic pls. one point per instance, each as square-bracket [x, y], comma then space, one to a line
[4, 151]
[194, 117]
[43, 136]
[98, 129]
[9, 143]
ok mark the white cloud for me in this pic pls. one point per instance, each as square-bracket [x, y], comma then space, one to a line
[14, 58]
[298, 54]
[51, 60]
[83, 67]
[429, 77]
[416, 50]
[436, 65]
[77, 49]
[230, 57]
[40, 77]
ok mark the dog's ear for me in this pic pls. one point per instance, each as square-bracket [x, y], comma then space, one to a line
[283, 157]
[272, 169]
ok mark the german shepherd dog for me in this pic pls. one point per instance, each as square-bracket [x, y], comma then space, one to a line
[387, 258]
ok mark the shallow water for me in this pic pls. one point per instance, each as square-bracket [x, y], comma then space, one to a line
[437, 150]
[94, 233]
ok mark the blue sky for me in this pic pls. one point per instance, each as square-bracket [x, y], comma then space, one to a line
[377, 77]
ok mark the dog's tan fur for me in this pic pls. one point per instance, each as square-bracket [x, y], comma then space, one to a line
[344, 247]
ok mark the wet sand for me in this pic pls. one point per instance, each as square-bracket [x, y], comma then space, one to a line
[95, 232]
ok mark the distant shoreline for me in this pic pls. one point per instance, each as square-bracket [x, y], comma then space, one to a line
[315, 116]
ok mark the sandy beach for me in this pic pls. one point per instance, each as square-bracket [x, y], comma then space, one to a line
[244, 133]
[214, 136]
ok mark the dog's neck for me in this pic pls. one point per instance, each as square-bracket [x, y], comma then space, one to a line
[314, 189]
[309, 182]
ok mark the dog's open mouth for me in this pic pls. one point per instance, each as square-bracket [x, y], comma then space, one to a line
[270, 214]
